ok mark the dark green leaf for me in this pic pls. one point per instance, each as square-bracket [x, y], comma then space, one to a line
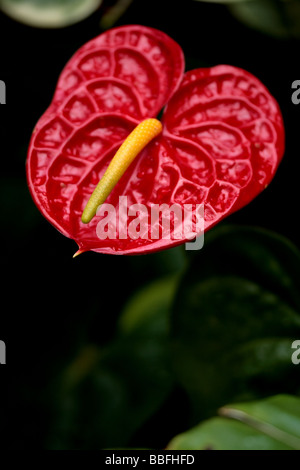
[149, 308]
[278, 18]
[49, 13]
[277, 417]
[270, 424]
[106, 396]
[235, 317]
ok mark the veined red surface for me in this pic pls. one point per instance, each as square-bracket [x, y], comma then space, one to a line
[222, 139]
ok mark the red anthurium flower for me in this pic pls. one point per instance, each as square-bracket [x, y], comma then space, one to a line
[221, 142]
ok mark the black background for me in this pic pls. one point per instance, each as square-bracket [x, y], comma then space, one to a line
[42, 301]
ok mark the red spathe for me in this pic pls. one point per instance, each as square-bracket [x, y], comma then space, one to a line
[222, 139]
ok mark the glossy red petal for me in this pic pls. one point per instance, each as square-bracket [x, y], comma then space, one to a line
[230, 115]
[222, 141]
[133, 70]
[163, 174]
[109, 85]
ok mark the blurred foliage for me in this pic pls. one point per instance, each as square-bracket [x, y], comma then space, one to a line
[148, 308]
[14, 192]
[105, 395]
[234, 317]
[226, 2]
[269, 424]
[49, 13]
[217, 330]
[62, 13]
[161, 341]
[114, 13]
[279, 18]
